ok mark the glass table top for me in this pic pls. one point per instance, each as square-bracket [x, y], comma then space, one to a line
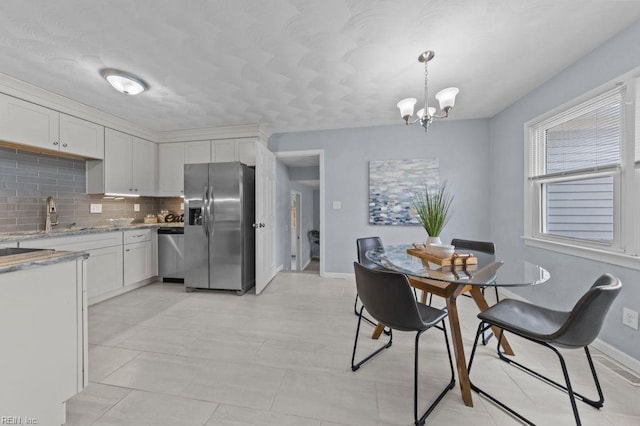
[488, 271]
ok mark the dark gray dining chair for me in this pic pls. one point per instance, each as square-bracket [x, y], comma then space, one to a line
[388, 298]
[485, 247]
[471, 245]
[363, 245]
[574, 329]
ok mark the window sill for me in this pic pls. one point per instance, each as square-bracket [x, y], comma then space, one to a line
[600, 255]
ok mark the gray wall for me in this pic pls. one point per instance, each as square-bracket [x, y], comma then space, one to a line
[463, 148]
[304, 173]
[284, 186]
[571, 275]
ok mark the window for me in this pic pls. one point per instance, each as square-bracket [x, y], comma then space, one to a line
[576, 173]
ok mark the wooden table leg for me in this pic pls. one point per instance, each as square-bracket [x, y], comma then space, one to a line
[378, 331]
[478, 297]
[458, 347]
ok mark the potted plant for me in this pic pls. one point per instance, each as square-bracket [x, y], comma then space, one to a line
[433, 207]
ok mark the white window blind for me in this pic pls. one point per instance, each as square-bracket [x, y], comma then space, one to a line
[575, 164]
[585, 137]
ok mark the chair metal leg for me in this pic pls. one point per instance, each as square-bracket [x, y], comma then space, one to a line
[594, 403]
[566, 388]
[450, 385]
[355, 366]
[481, 328]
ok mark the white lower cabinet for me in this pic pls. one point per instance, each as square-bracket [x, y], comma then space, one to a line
[137, 262]
[118, 261]
[138, 256]
[44, 341]
[105, 271]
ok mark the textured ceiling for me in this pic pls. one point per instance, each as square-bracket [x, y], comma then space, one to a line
[297, 64]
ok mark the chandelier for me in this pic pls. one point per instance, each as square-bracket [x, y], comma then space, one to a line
[446, 98]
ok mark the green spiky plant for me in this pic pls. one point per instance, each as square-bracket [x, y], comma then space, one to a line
[433, 207]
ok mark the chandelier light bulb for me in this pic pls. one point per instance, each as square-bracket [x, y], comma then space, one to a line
[447, 97]
[406, 108]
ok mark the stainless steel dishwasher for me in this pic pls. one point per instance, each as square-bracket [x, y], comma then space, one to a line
[171, 254]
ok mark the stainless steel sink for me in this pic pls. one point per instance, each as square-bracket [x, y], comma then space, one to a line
[11, 251]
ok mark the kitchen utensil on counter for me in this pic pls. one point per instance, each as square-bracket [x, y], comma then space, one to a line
[121, 221]
[150, 218]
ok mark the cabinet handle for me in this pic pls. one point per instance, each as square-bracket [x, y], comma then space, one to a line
[137, 236]
[136, 189]
[55, 142]
[130, 189]
[127, 250]
[64, 145]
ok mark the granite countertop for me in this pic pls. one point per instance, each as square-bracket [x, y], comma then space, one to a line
[64, 232]
[37, 258]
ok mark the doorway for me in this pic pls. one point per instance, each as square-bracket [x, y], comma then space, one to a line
[305, 175]
[296, 225]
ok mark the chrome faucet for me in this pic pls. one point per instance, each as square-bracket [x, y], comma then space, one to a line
[51, 209]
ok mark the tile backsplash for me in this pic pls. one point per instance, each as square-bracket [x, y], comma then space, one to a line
[28, 178]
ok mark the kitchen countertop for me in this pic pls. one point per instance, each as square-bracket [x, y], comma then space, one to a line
[37, 258]
[64, 232]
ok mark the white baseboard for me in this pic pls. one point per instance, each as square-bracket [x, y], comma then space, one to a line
[341, 275]
[617, 355]
[119, 291]
[608, 350]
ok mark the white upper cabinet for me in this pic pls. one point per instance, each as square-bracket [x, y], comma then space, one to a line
[246, 151]
[129, 166]
[29, 124]
[172, 157]
[118, 172]
[81, 137]
[143, 166]
[25, 123]
[223, 151]
[171, 169]
[197, 152]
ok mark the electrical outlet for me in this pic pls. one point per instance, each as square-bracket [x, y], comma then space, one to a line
[337, 205]
[136, 207]
[630, 318]
[95, 208]
[181, 206]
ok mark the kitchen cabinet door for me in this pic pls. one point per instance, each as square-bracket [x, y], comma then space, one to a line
[171, 169]
[138, 264]
[143, 167]
[197, 152]
[28, 124]
[81, 137]
[223, 151]
[117, 162]
[104, 271]
[246, 151]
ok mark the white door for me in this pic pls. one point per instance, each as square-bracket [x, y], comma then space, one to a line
[265, 216]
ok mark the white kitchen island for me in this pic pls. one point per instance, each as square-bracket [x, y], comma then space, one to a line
[43, 335]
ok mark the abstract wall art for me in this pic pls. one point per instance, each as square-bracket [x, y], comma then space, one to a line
[392, 185]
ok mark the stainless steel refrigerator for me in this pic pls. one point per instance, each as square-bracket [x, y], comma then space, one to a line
[219, 238]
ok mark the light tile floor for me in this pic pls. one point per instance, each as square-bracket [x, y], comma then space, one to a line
[160, 356]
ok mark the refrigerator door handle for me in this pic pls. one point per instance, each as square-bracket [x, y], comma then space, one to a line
[211, 220]
[205, 203]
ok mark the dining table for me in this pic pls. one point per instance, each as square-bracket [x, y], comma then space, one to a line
[471, 277]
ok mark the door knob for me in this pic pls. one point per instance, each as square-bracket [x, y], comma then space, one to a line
[262, 225]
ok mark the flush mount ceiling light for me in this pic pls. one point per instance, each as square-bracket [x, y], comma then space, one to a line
[124, 82]
[446, 98]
